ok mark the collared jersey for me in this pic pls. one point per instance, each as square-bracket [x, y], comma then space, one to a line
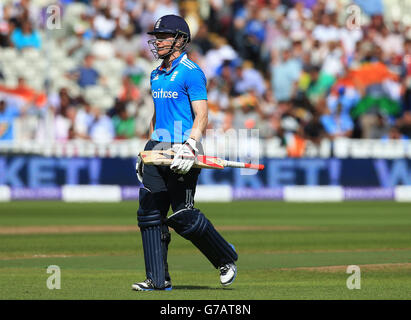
[172, 92]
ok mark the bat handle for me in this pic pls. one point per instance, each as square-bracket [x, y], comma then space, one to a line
[254, 166]
[235, 164]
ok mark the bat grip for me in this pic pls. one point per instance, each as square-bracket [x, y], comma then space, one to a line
[254, 166]
[235, 164]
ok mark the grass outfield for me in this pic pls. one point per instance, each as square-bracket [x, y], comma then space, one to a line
[286, 251]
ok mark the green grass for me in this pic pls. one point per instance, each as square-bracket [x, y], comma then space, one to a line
[285, 256]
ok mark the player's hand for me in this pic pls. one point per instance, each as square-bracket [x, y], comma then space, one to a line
[185, 157]
[140, 168]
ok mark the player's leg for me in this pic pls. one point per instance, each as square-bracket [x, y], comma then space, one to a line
[151, 215]
[149, 221]
[193, 225]
[165, 241]
[163, 201]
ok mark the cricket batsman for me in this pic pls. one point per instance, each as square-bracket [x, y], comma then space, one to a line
[180, 117]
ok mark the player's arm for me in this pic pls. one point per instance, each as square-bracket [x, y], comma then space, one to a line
[196, 85]
[200, 109]
[185, 156]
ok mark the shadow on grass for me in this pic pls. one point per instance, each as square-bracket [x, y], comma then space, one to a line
[183, 287]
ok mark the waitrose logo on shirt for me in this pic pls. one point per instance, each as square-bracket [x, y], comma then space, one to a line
[162, 94]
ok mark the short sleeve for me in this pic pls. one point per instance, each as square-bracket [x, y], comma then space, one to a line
[196, 85]
[152, 75]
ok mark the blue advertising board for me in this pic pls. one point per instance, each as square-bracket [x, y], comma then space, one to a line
[45, 172]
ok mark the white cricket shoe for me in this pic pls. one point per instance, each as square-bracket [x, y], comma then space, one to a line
[228, 272]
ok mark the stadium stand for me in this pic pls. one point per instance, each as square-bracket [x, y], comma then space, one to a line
[300, 71]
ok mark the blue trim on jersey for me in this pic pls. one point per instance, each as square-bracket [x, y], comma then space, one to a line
[172, 92]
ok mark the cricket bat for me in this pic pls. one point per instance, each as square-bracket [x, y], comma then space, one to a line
[165, 157]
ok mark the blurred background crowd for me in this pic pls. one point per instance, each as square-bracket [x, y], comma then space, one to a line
[294, 69]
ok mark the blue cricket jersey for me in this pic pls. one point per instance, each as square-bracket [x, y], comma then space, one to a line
[172, 92]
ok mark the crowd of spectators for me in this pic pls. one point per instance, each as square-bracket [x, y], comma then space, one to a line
[292, 69]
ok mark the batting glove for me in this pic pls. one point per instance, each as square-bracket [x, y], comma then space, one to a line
[185, 157]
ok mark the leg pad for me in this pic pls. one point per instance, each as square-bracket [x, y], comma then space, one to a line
[149, 221]
[165, 240]
[194, 226]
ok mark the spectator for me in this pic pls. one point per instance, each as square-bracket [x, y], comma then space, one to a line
[394, 133]
[102, 49]
[337, 124]
[5, 26]
[406, 75]
[215, 116]
[83, 121]
[268, 104]
[163, 7]
[319, 84]
[332, 64]
[104, 24]
[284, 75]
[64, 124]
[270, 65]
[248, 78]
[144, 114]
[86, 75]
[124, 125]
[8, 115]
[219, 94]
[246, 111]
[26, 37]
[126, 43]
[288, 121]
[62, 100]
[134, 70]
[314, 130]
[390, 43]
[326, 32]
[102, 128]
[202, 39]
[129, 91]
[254, 35]
[78, 46]
[277, 39]
[297, 15]
[214, 58]
[405, 124]
[374, 126]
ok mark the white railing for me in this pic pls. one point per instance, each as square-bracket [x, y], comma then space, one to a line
[271, 148]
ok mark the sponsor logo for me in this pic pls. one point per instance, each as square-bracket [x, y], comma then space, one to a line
[163, 94]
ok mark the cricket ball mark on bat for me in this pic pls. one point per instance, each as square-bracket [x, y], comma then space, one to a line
[165, 157]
